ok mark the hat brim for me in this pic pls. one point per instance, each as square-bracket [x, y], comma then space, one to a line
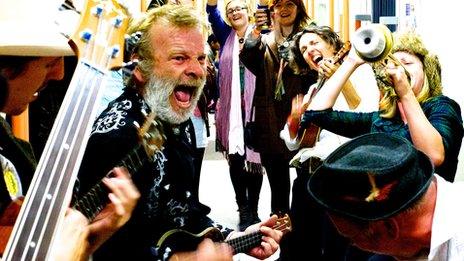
[323, 182]
[20, 40]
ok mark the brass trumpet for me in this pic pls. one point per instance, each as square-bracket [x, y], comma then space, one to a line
[373, 43]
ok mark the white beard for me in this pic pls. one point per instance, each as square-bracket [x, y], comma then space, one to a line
[159, 91]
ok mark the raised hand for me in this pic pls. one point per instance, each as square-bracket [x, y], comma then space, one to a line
[327, 68]
[299, 106]
[399, 78]
[260, 18]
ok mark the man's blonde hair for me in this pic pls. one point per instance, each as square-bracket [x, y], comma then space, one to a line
[169, 15]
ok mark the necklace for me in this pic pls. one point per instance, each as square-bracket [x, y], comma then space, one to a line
[285, 44]
[241, 40]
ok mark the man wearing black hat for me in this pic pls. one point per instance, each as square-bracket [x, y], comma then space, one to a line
[380, 193]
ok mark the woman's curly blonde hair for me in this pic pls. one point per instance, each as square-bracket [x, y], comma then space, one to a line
[411, 43]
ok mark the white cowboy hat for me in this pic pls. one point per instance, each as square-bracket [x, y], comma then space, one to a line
[27, 28]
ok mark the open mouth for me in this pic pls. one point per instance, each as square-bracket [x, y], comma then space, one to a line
[236, 17]
[183, 95]
[314, 61]
[317, 59]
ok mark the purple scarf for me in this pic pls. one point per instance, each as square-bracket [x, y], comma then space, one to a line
[223, 105]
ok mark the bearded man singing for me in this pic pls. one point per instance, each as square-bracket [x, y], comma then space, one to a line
[167, 81]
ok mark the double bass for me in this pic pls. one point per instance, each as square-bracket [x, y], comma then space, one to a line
[98, 41]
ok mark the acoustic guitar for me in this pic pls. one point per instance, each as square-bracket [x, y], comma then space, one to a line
[309, 136]
[97, 41]
[179, 240]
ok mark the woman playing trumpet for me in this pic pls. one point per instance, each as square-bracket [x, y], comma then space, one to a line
[415, 109]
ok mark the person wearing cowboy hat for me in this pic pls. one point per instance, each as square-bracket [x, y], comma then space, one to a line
[31, 55]
[382, 194]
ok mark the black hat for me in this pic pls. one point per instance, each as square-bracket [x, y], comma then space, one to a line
[371, 177]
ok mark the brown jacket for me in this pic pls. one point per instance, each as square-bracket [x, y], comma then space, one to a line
[261, 57]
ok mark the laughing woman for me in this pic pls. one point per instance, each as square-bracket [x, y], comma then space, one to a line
[233, 109]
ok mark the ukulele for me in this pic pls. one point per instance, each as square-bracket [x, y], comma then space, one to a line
[179, 240]
[309, 136]
[98, 41]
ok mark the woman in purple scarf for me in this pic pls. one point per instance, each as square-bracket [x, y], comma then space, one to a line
[233, 111]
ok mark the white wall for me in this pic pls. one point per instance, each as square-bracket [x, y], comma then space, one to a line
[440, 24]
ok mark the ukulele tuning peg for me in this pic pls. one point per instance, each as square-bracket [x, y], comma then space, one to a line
[132, 41]
[136, 124]
[147, 135]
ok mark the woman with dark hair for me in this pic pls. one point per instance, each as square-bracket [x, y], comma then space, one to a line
[317, 48]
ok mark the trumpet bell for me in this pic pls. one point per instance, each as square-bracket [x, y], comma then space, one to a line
[373, 42]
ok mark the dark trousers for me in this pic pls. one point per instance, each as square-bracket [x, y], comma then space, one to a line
[313, 235]
[247, 186]
[278, 173]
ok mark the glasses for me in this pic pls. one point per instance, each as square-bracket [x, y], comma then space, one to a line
[235, 9]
